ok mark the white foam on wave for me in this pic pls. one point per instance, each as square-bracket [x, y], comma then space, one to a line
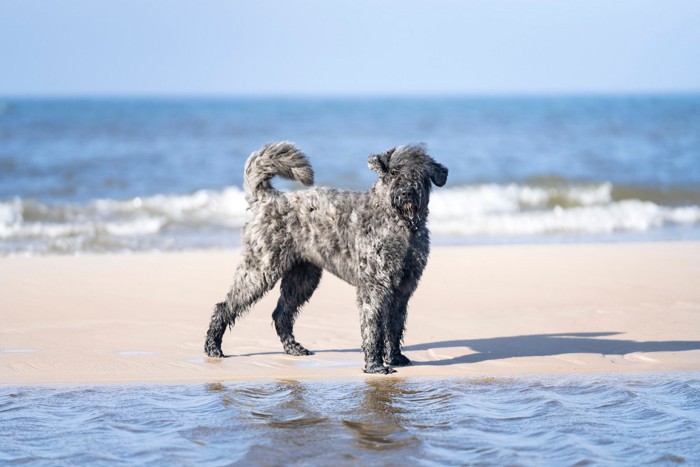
[142, 226]
[224, 207]
[486, 210]
[10, 217]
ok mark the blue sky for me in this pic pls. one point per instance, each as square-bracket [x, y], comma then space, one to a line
[358, 47]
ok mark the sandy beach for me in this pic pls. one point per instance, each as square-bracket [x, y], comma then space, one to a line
[479, 311]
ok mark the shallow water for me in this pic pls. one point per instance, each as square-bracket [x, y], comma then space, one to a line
[614, 420]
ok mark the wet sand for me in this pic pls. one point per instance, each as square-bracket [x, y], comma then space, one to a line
[479, 311]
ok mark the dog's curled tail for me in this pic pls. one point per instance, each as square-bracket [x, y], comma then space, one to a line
[283, 159]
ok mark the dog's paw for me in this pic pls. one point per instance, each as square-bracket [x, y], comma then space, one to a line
[214, 352]
[379, 370]
[399, 360]
[297, 350]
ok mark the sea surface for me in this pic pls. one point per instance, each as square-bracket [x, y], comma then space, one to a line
[649, 419]
[113, 175]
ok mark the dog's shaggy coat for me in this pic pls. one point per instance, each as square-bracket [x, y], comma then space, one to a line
[375, 240]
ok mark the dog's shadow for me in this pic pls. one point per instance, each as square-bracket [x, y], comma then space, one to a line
[536, 345]
[546, 345]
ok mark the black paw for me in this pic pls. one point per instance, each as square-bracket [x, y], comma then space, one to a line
[213, 351]
[297, 350]
[399, 360]
[379, 370]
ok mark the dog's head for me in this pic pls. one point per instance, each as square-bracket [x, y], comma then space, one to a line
[408, 174]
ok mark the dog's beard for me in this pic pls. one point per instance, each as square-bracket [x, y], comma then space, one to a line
[408, 207]
[410, 213]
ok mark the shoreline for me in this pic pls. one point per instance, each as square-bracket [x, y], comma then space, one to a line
[393, 379]
[479, 312]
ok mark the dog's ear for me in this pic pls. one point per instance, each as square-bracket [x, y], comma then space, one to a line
[439, 175]
[380, 162]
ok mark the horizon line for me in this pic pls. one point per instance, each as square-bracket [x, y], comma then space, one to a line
[348, 95]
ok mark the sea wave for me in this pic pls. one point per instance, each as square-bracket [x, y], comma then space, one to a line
[154, 222]
[207, 218]
[517, 210]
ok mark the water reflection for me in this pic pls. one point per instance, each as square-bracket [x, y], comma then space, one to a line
[377, 422]
[330, 420]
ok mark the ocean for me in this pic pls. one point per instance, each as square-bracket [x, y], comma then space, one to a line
[650, 419]
[120, 175]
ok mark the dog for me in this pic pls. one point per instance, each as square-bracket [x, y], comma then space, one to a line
[376, 240]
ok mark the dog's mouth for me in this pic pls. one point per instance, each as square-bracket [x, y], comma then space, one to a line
[412, 217]
[408, 209]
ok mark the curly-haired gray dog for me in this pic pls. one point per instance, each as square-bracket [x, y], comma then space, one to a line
[375, 240]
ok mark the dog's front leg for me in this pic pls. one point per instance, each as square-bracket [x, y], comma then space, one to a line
[374, 305]
[396, 319]
[395, 325]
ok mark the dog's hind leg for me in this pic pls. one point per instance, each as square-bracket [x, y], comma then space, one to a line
[296, 288]
[250, 282]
